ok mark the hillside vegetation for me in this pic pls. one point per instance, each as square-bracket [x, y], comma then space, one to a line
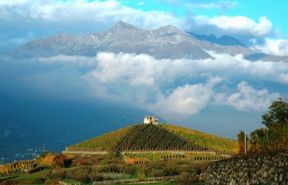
[205, 140]
[151, 137]
[160, 137]
[106, 141]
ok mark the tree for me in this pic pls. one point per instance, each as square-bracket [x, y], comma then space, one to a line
[258, 140]
[277, 114]
[241, 142]
[275, 136]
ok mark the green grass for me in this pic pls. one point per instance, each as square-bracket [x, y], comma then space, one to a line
[205, 140]
[36, 175]
[163, 137]
[3, 178]
[36, 178]
[103, 142]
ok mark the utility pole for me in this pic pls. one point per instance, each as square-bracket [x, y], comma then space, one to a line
[245, 143]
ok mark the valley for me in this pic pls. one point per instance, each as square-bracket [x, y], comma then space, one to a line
[137, 153]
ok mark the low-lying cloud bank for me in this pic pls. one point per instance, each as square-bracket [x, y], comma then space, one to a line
[173, 89]
[181, 88]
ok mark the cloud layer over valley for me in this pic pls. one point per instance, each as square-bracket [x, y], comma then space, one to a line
[174, 89]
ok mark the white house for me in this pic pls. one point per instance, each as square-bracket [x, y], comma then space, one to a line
[151, 120]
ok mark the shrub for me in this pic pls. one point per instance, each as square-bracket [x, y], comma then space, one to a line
[186, 178]
[58, 161]
[128, 169]
[9, 183]
[111, 168]
[58, 173]
[52, 182]
[80, 174]
[82, 177]
[88, 160]
[156, 173]
[95, 176]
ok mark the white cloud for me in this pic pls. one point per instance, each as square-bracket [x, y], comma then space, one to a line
[248, 98]
[81, 10]
[12, 2]
[67, 59]
[174, 89]
[238, 24]
[274, 47]
[168, 87]
[113, 67]
[185, 100]
[213, 5]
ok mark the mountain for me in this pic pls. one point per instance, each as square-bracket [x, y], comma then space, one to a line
[156, 137]
[164, 42]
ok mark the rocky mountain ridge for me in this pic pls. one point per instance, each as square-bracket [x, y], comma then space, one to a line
[164, 42]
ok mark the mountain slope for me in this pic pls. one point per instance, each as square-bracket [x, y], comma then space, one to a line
[160, 137]
[164, 42]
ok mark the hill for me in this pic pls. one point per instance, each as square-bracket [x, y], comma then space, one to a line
[203, 139]
[156, 137]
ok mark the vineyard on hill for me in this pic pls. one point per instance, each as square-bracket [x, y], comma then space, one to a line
[105, 142]
[203, 139]
[156, 138]
[145, 157]
[151, 137]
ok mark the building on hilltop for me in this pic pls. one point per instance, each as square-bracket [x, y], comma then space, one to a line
[151, 120]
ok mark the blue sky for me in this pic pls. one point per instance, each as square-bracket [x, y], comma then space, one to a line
[273, 10]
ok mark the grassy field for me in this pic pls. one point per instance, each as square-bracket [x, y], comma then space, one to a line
[37, 178]
[203, 139]
[163, 137]
[103, 142]
[40, 174]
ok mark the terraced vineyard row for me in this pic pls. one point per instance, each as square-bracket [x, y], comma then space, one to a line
[151, 137]
[154, 156]
[142, 158]
[17, 167]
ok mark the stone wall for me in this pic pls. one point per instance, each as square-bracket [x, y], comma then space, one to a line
[266, 169]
